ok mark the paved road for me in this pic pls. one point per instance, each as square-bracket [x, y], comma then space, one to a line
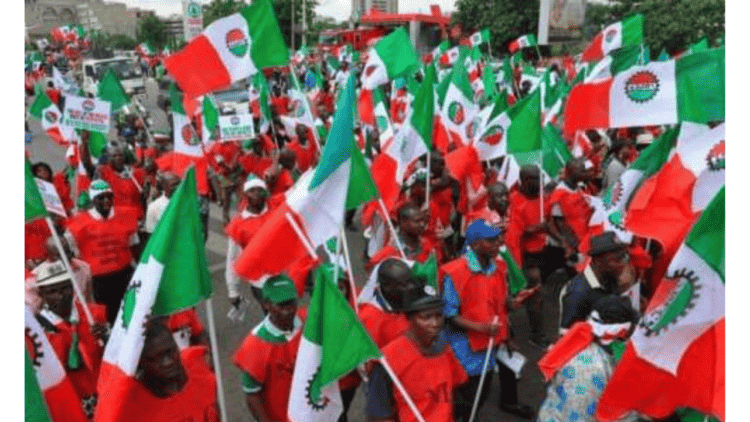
[230, 334]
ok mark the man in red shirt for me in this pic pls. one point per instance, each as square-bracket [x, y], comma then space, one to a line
[254, 161]
[381, 311]
[495, 213]
[126, 181]
[104, 236]
[171, 385]
[279, 102]
[412, 225]
[280, 179]
[527, 240]
[78, 342]
[303, 145]
[423, 362]
[240, 231]
[268, 354]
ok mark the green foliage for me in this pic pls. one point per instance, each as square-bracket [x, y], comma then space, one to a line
[121, 41]
[152, 30]
[283, 10]
[668, 24]
[506, 19]
[218, 9]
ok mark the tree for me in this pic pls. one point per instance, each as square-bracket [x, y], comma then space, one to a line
[283, 11]
[218, 9]
[152, 30]
[121, 41]
[506, 19]
[668, 24]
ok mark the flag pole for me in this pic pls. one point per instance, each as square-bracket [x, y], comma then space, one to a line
[393, 229]
[484, 374]
[401, 389]
[215, 357]
[64, 257]
[342, 233]
[427, 188]
[301, 236]
[541, 190]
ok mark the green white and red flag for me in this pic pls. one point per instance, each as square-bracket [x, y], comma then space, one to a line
[619, 34]
[145, 49]
[382, 117]
[528, 40]
[300, 55]
[228, 50]
[688, 89]
[458, 108]
[210, 117]
[391, 57]
[317, 202]
[186, 139]
[172, 275]
[438, 51]
[333, 344]
[449, 57]
[676, 356]
[51, 119]
[516, 131]
[47, 384]
[667, 205]
[480, 37]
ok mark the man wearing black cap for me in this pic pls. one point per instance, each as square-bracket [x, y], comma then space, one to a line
[609, 258]
[422, 361]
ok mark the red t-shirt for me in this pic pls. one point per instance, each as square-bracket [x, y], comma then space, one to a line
[280, 105]
[36, 234]
[575, 209]
[427, 247]
[127, 193]
[430, 380]
[522, 213]
[283, 182]
[196, 402]
[305, 154]
[272, 365]
[105, 244]
[383, 327]
[254, 164]
[482, 298]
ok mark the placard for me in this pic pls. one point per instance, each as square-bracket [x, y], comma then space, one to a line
[51, 199]
[238, 127]
[87, 113]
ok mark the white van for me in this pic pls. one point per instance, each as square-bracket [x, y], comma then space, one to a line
[127, 71]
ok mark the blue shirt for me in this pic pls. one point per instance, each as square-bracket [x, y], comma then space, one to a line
[471, 361]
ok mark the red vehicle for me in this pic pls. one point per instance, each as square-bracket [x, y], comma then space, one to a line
[358, 38]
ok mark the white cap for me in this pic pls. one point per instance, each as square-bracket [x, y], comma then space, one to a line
[254, 182]
[98, 187]
[48, 273]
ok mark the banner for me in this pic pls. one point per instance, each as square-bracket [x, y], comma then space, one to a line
[87, 113]
[238, 127]
[51, 199]
[193, 18]
[566, 18]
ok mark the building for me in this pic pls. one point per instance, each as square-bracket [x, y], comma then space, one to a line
[425, 30]
[361, 7]
[175, 26]
[116, 18]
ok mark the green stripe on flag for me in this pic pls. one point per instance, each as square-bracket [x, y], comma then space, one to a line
[110, 89]
[332, 324]
[516, 277]
[554, 151]
[210, 113]
[268, 47]
[177, 243]
[707, 236]
[700, 79]
[525, 132]
[424, 108]
[41, 102]
[34, 205]
[35, 409]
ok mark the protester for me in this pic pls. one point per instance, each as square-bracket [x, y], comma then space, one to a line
[104, 236]
[381, 310]
[267, 355]
[423, 362]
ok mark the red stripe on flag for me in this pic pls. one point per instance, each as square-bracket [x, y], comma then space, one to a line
[594, 50]
[384, 175]
[366, 107]
[700, 382]
[197, 68]
[513, 47]
[587, 107]
[63, 403]
[276, 238]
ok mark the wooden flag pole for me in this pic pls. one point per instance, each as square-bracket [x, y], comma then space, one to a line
[401, 389]
[484, 375]
[393, 229]
[74, 278]
[301, 236]
[215, 357]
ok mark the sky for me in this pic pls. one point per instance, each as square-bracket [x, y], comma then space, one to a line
[338, 9]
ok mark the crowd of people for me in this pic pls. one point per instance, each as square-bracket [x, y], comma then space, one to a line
[435, 335]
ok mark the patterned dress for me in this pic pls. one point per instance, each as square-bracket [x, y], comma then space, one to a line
[574, 392]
